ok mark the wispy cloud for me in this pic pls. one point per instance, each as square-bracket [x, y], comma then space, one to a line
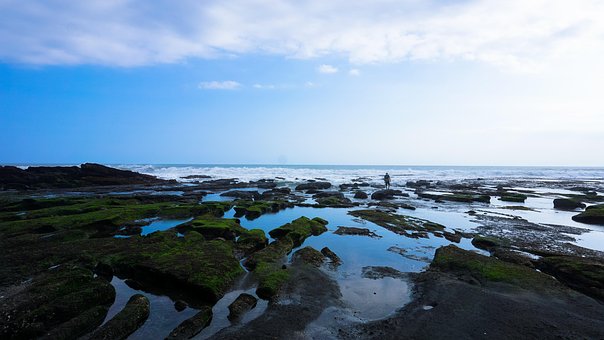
[265, 86]
[219, 85]
[354, 72]
[516, 34]
[327, 69]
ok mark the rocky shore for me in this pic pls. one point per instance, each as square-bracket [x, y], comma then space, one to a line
[68, 233]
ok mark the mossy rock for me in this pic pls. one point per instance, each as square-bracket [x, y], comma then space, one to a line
[212, 227]
[126, 322]
[52, 301]
[513, 197]
[300, 229]
[400, 224]
[592, 215]
[267, 263]
[254, 209]
[192, 326]
[252, 240]
[583, 274]
[568, 204]
[271, 276]
[189, 264]
[486, 269]
[310, 256]
[489, 242]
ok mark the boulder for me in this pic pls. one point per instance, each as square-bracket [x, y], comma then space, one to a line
[360, 195]
[242, 194]
[241, 305]
[387, 194]
[309, 255]
[313, 186]
[567, 204]
[335, 259]
[325, 194]
[592, 215]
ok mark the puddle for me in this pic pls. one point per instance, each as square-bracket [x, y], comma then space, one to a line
[374, 299]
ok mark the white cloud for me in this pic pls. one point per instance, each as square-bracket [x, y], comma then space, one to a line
[327, 69]
[265, 86]
[514, 34]
[354, 72]
[219, 85]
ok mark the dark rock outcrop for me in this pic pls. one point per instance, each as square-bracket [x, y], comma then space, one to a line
[242, 194]
[387, 194]
[86, 175]
[335, 259]
[567, 204]
[360, 195]
[592, 215]
[314, 186]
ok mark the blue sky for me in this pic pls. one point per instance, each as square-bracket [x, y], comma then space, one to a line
[343, 82]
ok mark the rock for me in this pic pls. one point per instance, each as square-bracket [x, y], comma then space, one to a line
[379, 272]
[418, 184]
[335, 259]
[309, 255]
[242, 194]
[64, 302]
[583, 274]
[180, 305]
[488, 242]
[324, 194]
[241, 305]
[313, 186]
[126, 322]
[355, 231]
[192, 326]
[453, 237]
[87, 175]
[196, 177]
[387, 194]
[513, 197]
[567, 204]
[360, 195]
[335, 202]
[592, 215]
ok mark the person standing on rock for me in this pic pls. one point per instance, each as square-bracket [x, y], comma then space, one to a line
[387, 180]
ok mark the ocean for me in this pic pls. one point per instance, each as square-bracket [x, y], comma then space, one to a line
[338, 174]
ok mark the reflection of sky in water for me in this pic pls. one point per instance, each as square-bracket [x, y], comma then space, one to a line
[159, 225]
[220, 313]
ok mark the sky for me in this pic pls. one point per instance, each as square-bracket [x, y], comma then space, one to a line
[403, 82]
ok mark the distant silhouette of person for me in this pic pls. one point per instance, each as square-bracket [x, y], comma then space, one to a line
[387, 180]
